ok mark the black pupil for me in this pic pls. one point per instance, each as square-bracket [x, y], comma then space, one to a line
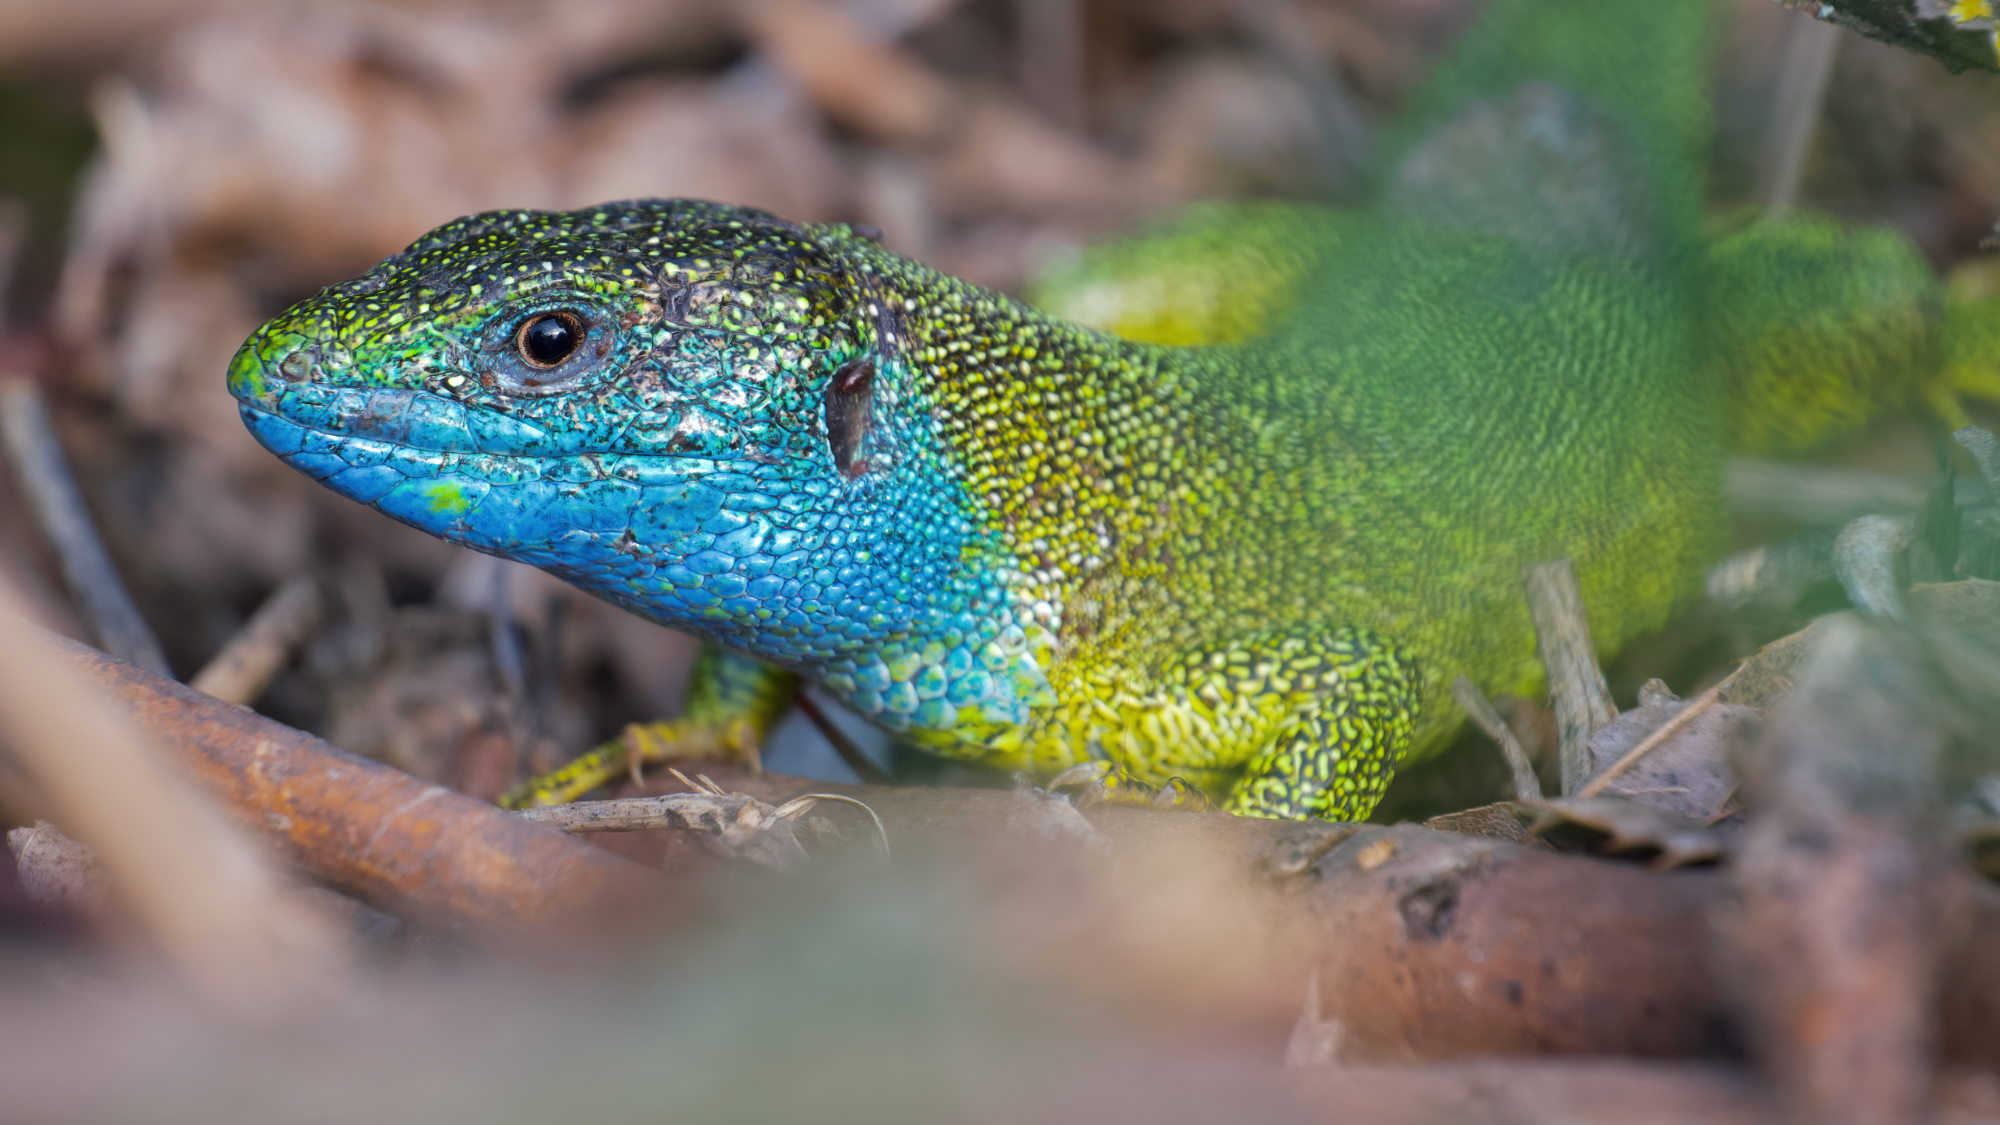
[548, 340]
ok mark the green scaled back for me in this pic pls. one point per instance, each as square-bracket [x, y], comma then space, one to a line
[1815, 327]
[1972, 332]
[1219, 273]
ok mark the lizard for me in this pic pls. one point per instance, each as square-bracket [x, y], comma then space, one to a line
[1248, 571]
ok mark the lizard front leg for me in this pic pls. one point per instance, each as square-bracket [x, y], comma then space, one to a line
[733, 701]
[1334, 756]
[1288, 724]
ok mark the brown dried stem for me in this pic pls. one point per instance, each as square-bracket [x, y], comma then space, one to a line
[1577, 691]
[51, 492]
[244, 667]
[1527, 787]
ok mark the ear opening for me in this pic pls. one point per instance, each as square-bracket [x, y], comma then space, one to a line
[850, 415]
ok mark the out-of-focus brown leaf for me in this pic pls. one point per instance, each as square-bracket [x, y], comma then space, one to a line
[1688, 774]
[1623, 826]
[56, 870]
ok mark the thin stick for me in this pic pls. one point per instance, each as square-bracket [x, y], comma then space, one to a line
[1577, 692]
[244, 667]
[1527, 787]
[51, 491]
[860, 763]
[698, 812]
[1803, 71]
[1654, 740]
[13, 233]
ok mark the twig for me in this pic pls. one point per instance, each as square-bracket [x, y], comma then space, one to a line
[746, 827]
[1049, 56]
[863, 767]
[1803, 71]
[699, 811]
[1577, 692]
[13, 233]
[1527, 787]
[244, 667]
[45, 478]
[1635, 973]
[1656, 739]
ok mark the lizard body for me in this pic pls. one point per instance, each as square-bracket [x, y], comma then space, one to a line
[1811, 327]
[1022, 541]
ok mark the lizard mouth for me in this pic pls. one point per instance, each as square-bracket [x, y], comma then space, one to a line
[281, 381]
[472, 476]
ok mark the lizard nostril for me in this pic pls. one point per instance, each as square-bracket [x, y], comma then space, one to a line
[296, 368]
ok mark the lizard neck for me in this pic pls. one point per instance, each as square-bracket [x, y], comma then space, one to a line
[1008, 457]
[1061, 446]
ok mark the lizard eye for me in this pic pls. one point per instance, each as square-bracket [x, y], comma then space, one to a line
[548, 339]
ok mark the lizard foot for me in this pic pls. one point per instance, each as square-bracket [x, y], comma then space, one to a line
[1101, 783]
[636, 747]
[733, 701]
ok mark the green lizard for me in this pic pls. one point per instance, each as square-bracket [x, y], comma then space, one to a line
[1251, 568]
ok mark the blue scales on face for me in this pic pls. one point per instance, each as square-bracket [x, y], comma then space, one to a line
[699, 412]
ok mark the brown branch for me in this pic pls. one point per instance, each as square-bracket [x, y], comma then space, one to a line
[387, 838]
[1425, 944]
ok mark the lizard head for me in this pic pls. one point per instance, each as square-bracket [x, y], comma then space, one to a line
[694, 410]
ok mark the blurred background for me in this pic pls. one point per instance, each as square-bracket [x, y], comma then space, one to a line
[172, 172]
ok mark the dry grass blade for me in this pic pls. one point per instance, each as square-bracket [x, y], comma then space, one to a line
[801, 805]
[1803, 71]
